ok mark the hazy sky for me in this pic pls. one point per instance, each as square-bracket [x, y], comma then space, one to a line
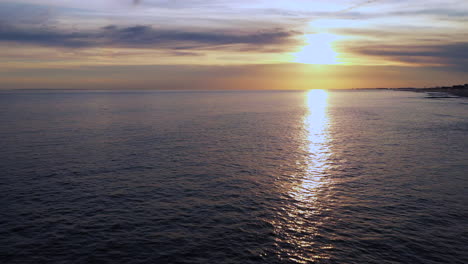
[243, 44]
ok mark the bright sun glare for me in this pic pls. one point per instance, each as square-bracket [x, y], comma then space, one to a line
[319, 50]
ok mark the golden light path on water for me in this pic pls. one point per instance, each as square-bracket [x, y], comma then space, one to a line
[308, 192]
[316, 132]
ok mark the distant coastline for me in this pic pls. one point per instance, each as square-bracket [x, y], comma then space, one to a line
[440, 91]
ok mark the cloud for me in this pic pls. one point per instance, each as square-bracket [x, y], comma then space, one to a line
[18, 13]
[440, 13]
[141, 36]
[45, 37]
[450, 54]
[355, 6]
[147, 36]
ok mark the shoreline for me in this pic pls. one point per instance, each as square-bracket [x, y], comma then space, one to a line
[440, 92]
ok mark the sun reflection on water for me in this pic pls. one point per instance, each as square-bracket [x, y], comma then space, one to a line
[316, 137]
[308, 191]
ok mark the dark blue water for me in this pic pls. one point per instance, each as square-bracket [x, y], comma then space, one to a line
[233, 177]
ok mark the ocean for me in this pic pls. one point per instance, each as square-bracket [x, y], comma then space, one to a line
[360, 176]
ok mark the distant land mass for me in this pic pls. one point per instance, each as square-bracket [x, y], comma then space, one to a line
[441, 91]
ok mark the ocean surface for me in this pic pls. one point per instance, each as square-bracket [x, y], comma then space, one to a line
[233, 177]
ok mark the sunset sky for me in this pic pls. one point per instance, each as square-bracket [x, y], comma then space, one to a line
[243, 44]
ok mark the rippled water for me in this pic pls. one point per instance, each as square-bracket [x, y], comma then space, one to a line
[233, 177]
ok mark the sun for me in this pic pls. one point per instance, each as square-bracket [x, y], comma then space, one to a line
[319, 50]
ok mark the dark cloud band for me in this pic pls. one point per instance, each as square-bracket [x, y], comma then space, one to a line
[450, 54]
[149, 37]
